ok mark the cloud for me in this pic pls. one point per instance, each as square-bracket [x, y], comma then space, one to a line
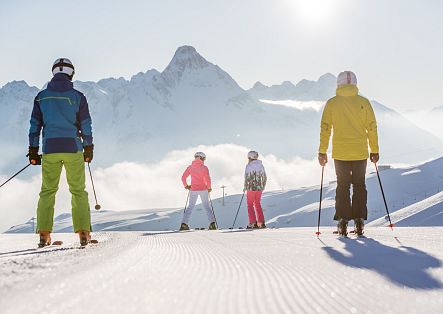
[300, 105]
[129, 185]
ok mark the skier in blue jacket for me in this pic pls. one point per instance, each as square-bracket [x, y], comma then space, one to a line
[63, 115]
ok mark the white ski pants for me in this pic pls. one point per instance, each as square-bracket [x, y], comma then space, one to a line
[204, 196]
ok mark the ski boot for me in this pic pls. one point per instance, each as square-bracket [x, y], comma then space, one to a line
[252, 226]
[183, 227]
[359, 224]
[85, 237]
[212, 226]
[342, 227]
[45, 238]
[261, 225]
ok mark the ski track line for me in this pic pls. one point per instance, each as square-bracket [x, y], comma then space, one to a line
[262, 271]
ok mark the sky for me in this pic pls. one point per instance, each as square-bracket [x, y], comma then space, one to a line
[394, 46]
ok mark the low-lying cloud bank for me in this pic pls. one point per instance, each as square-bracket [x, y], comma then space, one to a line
[129, 185]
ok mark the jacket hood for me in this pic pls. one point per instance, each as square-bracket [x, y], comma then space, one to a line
[197, 162]
[255, 165]
[60, 83]
[347, 90]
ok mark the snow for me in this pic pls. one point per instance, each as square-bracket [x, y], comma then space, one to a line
[262, 271]
[428, 212]
[420, 191]
[137, 120]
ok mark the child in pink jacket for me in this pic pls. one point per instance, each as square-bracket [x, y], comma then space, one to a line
[200, 186]
[255, 182]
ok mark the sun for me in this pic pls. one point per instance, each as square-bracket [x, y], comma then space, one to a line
[314, 10]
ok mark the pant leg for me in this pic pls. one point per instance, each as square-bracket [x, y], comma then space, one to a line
[75, 175]
[343, 207]
[360, 194]
[188, 211]
[204, 196]
[250, 197]
[258, 208]
[51, 170]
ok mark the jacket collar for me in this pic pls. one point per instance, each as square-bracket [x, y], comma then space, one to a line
[347, 90]
[60, 83]
[197, 162]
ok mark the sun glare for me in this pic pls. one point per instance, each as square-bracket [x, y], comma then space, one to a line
[314, 10]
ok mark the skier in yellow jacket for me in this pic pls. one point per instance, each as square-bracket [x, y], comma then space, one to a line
[351, 119]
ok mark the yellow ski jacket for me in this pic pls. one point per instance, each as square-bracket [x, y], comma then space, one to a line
[352, 120]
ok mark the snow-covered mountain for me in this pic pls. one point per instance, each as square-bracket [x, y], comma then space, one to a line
[413, 193]
[192, 102]
[305, 90]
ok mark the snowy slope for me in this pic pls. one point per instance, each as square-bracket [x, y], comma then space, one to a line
[266, 271]
[404, 188]
[428, 212]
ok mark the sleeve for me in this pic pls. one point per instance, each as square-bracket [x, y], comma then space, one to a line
[371, 129]
[325, 129]
[185, 175]
[265, 178]
[246, 178]
[85, 122]
[207, 178]
[36, 124]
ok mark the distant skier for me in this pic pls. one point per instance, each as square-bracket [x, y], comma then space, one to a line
[63, 114]
[353, 122]
[255, 182]
[200, 186]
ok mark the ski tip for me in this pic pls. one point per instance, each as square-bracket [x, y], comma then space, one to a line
[94, 241]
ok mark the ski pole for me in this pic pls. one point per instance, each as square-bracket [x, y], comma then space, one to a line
[97, 206]
[212, 207]
[384, 198]
[319, 204]
[15, 175]
[187, 199]
[238, 210]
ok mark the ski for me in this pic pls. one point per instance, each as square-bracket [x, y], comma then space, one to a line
[350, 232]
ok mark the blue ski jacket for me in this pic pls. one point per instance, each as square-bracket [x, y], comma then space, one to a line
[63, 114]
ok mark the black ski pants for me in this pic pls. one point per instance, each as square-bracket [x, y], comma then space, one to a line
[351, 172]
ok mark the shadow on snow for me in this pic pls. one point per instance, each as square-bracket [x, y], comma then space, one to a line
[404, 266]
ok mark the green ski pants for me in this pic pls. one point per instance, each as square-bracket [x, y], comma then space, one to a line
[75, 173]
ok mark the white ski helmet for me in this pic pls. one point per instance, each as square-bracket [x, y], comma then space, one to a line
[252, 155]
[65, 66]
[200, 155]
[346, 77]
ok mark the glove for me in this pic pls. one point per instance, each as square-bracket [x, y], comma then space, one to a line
[374, 157]
[88, 153]
[209, 190]
[322, 159]
[187, 187]
[34, 158]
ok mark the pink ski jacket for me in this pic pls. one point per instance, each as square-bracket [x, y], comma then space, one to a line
[200, 179]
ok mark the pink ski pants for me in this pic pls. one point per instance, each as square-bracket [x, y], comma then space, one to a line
[254, 199]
